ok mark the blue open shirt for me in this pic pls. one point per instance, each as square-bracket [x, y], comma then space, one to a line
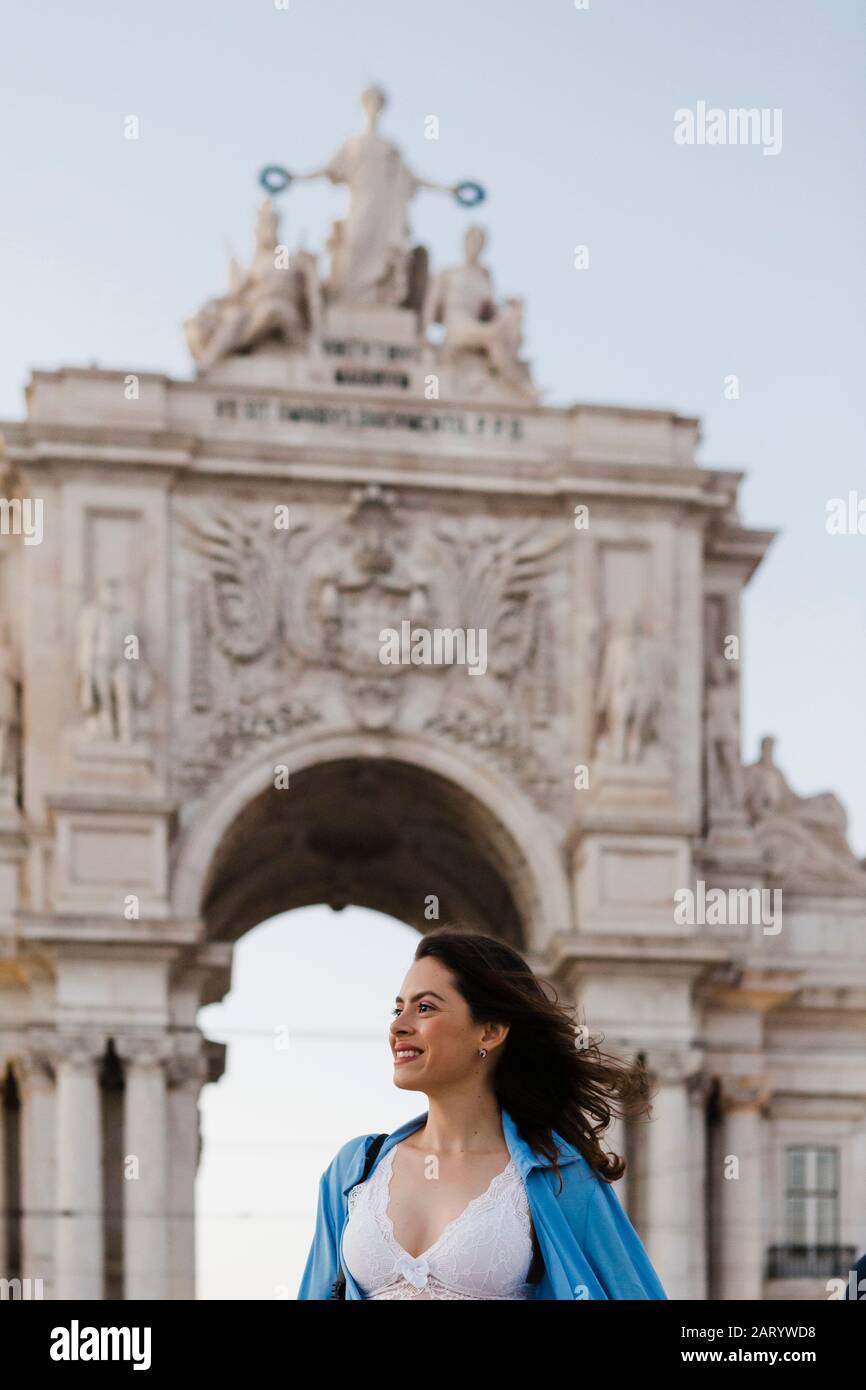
[590, 1248]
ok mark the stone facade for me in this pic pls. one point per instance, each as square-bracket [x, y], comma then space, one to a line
[199, 732]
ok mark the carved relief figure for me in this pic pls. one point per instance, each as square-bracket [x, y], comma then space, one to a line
[462, 300]
[724, 769]
[110, 684]
[370, 255]
[629, 692]
[268, 301]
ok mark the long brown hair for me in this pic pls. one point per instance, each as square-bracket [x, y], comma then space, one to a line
[549, 1074]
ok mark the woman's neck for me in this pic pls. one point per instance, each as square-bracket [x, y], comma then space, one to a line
[463, 1123]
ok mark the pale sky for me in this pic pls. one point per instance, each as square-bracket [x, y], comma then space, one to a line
[704, 262]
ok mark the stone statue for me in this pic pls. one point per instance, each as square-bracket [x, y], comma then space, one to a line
[462, 300]
[768, 795]
[724, 769]
[10, 683]
[629, 693]
[370, 254]
[110, 683]
[268, 301]
[803, 837]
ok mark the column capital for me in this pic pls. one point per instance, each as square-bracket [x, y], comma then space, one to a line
[671, 1066]
[743, 1092]
[143, 1050]
[699, 1087]
[78, 1048]
[35, 1060]
[188, 1067]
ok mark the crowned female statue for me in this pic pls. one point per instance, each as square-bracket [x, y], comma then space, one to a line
[370, 247]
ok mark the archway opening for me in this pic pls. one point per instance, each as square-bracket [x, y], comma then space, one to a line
[373, 832]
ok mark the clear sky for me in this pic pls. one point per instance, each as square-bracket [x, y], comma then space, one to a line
[705, 261]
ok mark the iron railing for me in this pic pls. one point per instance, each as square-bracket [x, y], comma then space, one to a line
[810, 1261]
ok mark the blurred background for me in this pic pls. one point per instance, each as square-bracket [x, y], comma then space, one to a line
[702, 263]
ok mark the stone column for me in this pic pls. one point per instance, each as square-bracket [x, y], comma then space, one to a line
[699, 1087]
[145, 1146]
[79, 1230]
[187, 1073]
[740, 1237]
[35, 1075]
[666, 1172]
[5, 1195]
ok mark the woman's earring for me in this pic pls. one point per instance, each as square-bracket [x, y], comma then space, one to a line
[482, 1052]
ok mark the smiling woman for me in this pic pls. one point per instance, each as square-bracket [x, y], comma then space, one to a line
[501, 1190]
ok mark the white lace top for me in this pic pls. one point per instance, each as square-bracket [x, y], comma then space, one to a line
[485, 1253]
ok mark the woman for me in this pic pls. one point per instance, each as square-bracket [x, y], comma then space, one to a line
[501, 1190]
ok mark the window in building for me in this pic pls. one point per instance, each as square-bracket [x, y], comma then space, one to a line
[812, 1197]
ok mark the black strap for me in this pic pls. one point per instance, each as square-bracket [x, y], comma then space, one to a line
[536, 1269]
[338, 1289]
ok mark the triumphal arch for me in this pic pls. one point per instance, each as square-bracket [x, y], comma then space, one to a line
[200, 728]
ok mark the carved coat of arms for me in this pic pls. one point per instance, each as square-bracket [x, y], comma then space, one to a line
[294, 608]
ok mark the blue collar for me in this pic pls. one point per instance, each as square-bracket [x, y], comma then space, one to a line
[525, 1158]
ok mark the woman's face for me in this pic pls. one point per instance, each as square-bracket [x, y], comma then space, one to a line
[432, 1023]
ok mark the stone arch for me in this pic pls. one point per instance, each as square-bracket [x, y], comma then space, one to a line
[367, 819]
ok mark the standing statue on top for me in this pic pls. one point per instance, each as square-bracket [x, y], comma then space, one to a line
[371, 260]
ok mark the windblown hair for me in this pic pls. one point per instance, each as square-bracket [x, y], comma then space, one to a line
[550, 1075]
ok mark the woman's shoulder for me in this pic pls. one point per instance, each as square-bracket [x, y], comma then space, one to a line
[350, 1153]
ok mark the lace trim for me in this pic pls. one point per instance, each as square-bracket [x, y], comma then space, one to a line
[434, 1289]
[484, 1199]
[410, 1269]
